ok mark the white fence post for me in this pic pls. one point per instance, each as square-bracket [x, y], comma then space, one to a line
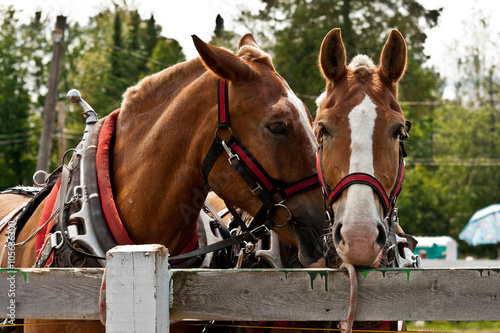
[137, 289]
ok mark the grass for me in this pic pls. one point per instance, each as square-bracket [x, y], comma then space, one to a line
[456, 326]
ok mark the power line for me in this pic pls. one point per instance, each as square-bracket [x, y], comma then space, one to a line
[139, 56]
[461, 162]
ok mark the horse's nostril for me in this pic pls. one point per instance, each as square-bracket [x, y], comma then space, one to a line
[382, 237]
[337, 236]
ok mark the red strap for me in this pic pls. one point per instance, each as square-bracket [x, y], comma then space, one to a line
[102, 162]
[319, 166]
[255, 169]
[223, 104]
[48, 210]
[399, 182]
[302, 185]
[358, 178]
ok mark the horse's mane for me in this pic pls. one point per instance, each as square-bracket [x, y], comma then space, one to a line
[362, 65]
[144, 94]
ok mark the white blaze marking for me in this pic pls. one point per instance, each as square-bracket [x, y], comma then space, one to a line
[362, 124]
[304, 117]
[360, 202]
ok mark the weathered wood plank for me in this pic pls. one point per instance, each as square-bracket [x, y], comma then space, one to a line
[52, 293]
[427, 294]
[389, 294]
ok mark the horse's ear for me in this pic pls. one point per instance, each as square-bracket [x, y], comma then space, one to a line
[332, 56]
[247, 39]
[222, 62]
[393, 58]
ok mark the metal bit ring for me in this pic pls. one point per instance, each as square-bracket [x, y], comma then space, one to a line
[276, 206]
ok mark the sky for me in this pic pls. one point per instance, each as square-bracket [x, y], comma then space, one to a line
[182, 18]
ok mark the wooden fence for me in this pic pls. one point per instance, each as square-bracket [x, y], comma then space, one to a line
[143, 294]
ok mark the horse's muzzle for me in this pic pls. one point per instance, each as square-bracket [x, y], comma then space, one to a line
[359, 243]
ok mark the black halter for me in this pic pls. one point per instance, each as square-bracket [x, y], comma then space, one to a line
[254, 175]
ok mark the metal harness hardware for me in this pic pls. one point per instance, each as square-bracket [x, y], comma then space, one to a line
[80, 233]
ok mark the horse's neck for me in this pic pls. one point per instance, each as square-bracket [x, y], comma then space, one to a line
[157, 181]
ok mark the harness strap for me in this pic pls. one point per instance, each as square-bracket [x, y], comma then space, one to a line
[210, 158]
[223, 103]
[250, 236]
[10, 216]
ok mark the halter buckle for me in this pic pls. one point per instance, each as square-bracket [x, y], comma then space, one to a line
[256, 188]
[230, 153]
[257, 233]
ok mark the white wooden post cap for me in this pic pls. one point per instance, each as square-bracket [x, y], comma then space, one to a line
[137, 289]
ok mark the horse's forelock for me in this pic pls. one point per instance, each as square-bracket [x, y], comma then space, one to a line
[319, 101]
[363, 65]
[255, 54]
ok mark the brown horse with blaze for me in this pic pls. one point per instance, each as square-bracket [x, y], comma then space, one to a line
[360, 127]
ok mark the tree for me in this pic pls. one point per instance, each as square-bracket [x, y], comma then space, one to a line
[14, 105]
[115, 51]
[300, 26]
[102, 59]
[223, 37]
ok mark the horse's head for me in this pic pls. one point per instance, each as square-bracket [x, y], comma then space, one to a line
[270, 130]
[359, 127]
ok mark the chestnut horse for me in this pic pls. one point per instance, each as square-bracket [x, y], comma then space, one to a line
[165, 129]
[360, 129]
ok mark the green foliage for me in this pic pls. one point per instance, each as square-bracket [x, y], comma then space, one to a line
[102, 59]
[365, 25]
[451, 173]
[115, 51]
[15, 149]
[222, 37]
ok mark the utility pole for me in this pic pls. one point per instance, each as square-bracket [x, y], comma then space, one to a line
[44, 149]
[61, 124]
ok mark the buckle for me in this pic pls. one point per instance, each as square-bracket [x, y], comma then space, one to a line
[230, 153]
[256, 188]
[256, 233]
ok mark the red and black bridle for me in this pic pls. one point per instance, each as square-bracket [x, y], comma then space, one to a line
[388, 202]
[255, 176]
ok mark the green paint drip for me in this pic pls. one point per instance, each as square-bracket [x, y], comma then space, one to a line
[13, 270]
[389, 269]
[324, 275]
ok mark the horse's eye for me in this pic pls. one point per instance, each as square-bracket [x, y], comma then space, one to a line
[321, 133]
[277, 128]
[399, 133]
